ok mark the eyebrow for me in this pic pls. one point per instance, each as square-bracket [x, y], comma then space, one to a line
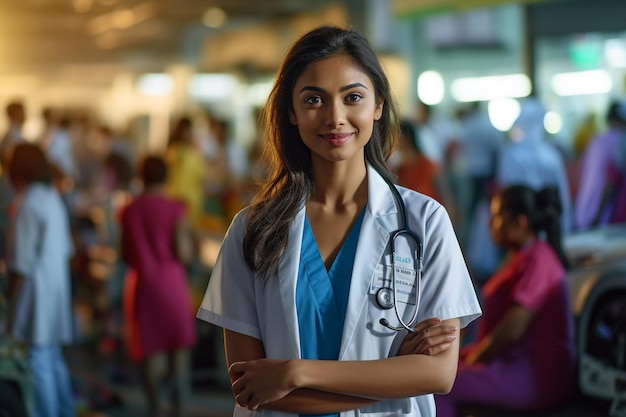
[321, 90]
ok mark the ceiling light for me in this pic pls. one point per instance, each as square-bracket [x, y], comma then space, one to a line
[123, 18]
[430, 87]
[155, 85]
[582, 83]
[212, 86]
[552, 122]
[615, 53]
[503, 112]
[214, 17]
[490, 87]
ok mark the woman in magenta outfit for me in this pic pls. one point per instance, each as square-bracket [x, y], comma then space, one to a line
[523, 357]
[157, 297]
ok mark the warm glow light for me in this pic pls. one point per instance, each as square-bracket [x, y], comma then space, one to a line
[552, 122]
[121, 18]
[490, 87]
[430, 87]
[214, 17]
[582, 83]
[503, 113]
[156, 85]
[83, 6]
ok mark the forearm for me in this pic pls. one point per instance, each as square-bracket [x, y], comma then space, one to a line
[335, 386]
[309, 401]
[397, 377]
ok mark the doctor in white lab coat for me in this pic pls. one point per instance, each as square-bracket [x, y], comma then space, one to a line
[377, 371]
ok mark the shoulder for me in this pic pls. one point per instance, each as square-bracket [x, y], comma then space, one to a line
[541, 253]
[422, 203]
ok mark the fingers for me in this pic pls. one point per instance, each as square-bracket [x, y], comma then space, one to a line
[426, 324]
[435, 340]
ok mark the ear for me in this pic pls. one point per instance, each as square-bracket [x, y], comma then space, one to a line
[292, 118]
[378, 111]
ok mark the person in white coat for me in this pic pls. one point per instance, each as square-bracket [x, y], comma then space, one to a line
[297, 283]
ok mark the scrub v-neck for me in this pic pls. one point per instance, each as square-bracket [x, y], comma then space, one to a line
[322, 295]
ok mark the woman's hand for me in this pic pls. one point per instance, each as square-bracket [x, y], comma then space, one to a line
[261, 381]
[430, 338]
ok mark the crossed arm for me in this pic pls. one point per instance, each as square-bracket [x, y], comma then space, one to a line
[426, 363]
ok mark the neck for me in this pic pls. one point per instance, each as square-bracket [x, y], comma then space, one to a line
[337, 184]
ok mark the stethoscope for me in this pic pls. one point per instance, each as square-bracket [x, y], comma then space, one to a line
[386, 296]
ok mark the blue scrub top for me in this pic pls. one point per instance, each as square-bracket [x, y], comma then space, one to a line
[322, 296]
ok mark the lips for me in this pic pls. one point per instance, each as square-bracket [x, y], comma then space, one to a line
[336, 139]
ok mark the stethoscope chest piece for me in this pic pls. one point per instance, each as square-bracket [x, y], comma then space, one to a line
[384, 298]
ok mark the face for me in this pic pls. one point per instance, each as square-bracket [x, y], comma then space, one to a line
[334, 107]
[506, 230]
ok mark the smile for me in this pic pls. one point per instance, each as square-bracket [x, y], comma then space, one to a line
[336, 139]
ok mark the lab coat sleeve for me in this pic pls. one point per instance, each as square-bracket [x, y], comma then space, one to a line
[448, 289]
[229, 300]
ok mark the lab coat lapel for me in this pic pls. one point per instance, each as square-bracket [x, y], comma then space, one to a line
[287, 276]
[379, 220]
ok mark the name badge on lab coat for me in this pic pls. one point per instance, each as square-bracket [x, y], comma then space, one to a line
[405, 281]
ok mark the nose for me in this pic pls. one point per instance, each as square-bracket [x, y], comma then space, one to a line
[335, 113]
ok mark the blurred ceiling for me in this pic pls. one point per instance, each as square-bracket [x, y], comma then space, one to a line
[78, 39]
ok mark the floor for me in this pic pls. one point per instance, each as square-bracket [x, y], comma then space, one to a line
[107, 385]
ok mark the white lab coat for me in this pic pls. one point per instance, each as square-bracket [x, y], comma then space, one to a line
[237, 301]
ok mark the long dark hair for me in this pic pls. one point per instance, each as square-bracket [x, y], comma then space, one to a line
[289, 181]
[542, 208]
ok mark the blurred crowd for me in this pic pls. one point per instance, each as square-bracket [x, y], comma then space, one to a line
[461, 161]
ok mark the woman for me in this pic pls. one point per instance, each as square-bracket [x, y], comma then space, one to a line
[295, 284]
[157, 297]
[39, 298]
[523, 356]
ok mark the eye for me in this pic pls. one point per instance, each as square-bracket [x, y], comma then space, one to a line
[313, 100]
[354, 97]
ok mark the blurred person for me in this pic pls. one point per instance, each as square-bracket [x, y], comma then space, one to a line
[156, 243]
[592, 206]
[40, 306]
[57, 143]
[529, 159]
[434, 131]
[16, 115]
[231, 168]
[414, 169]
[187, 170]
[524, 355]
[479, 141]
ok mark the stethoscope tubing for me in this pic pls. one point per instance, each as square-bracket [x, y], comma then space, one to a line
[404, 229]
